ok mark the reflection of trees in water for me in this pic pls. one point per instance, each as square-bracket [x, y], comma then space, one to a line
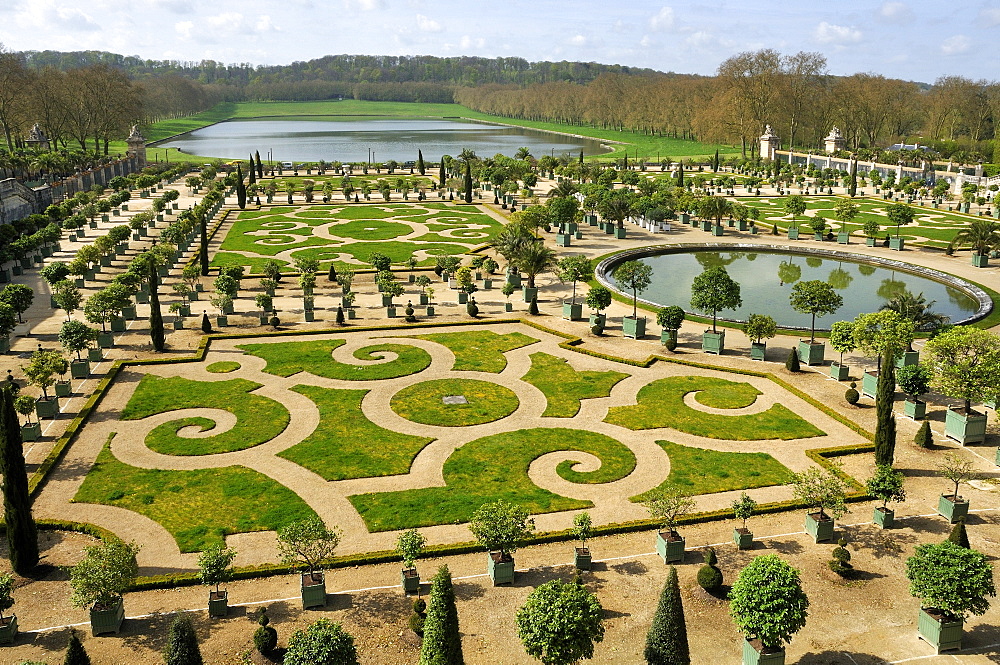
[717, 259]
[961, 300]
[891, 287]
[866, 270]
[814, 261]
[788, 272]
[839, 278]
[752, 256]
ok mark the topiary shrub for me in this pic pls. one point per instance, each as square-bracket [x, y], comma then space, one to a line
[924, 438]
[671, 343]
[792, 362]
[852, 395]
[275, 322]
[472, 308]
[709, 576]
[533, 307]
[418, 617]
[206, 325]
[958, 534]
[841, 561]
[265, 638]
[340, 316]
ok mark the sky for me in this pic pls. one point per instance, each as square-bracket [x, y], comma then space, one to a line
[917, 40]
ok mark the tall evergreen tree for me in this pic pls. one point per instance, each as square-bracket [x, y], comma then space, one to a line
[885, 421]
[715, 161]
[203, 249]
[442, 640]
[581, 158]
[441, 173]
[241, 189]
[680, 173]
[666, 641]
[253, 171]
[22, 535]
[420, 162]
[852, 187]
[260, 166]
[468, 182]
[156, 334]
[75, 653]
[182, 643]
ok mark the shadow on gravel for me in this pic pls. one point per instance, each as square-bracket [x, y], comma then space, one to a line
[839, 658]
[629, 568]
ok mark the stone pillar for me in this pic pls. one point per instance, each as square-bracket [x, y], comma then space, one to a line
[979, 170]
[769, 143]
[137, 147]
[899, 171]
[834, 142]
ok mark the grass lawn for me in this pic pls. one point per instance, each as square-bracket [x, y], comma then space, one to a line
[348, 445]
[258, 418]
[564, 387]
[698, 471]
[491, 468]
[480, 350]
[197, 507]
[661, 404]
[423, 402]
[315, 357]
[223, 367]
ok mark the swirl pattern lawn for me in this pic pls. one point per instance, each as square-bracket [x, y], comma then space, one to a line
[661, 404]
[424, 402]
[564, 387]
[479, 350]
[258, 419]
[316, 357]
[496, 467]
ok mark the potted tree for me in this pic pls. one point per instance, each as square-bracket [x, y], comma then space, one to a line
[8, 321]
[842, 341]
[533, 259]
[952, 506]
[216, 568]
[598, 299]
[266, 303]
[899, 214]
[951, 583]
[885, 485]
[742, 510]
[107, 571]
[845, 211]
[423, 281]
[8, 624]
[965, 364]
[75, 336]
[795, 205]
[582, 530]
[872, 229]
[822, 491]
[499, 526]
[25, 405]
[758, 328]
[634, 276]
[409, 546]
[768, 606]
[713, 291]
[489, 269]
[466, 284]
[670, 319]
[814, 297]
[63, 387]
[914, 380]
[309, 542]
[666, 505]
[574, 269]
[41, 372]
[223, 303]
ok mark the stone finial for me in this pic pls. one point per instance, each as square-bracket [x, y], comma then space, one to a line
[135, 135]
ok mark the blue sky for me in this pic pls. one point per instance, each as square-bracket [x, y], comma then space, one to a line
[916, 40]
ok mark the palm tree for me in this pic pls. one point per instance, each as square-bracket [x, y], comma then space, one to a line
[915, 308]
[533, 259]
[982, 234]
[510, 241]
[565, 188]
[522, 153]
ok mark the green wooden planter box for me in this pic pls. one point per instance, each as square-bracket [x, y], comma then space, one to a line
[590, 219]
[743, 538]
[529, 293]
[487, 284]
[429, 311]
[500, 571]
[107, 620]
[218, 604]
[572, 312]
[884, 517]
[128, 313]
[713, 342]
[870, 242]
[582, 559]
[908, 358]
[564, 240]
[843, 238]
[812, 353]
[758, 350]
[310, 316]
[634, 328]
[514, 280]
[142, 297]
[965, 427]
[47, 408]
[313, 591]
[8, 630]
[869, 383]
[670, 546]
[620, 233]
[463, 298]
[179, 324]
[916, 410]
[952, 510]
[410, 579]
[508, 306]
[718, 230]
[94, 355]
[981, 260]
[117, 324]
[896, 244]
[63, 388]
[819, 526]
[751, 655]
[31, 432]
[684, 218]
[840, 372]
[666, 335]
[793, 233]
[741, 225]
[222, 321]
[942, 633]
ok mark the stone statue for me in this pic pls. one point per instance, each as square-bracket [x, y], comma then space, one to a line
[36, 134]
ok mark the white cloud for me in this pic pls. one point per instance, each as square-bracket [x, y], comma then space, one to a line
[699, 39]
[955, 45]
[663, 20]
[425, 24]
[897, 12]
[578, 40]
[184, 28]
[468, 42]
[829, 33]
[364, 5]
[990, 17]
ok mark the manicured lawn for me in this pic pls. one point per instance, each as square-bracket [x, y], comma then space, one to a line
[699, 471]
[564, 386]
[258, 418]
[315, 357]
[348, 445]
[423, 402]
[480, 350]
[661, 404]
[491, 468]
[223, 367]
[197, 507]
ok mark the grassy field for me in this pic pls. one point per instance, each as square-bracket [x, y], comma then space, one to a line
[565, 387]
[315, 357]
[479, 350]
[424, 402]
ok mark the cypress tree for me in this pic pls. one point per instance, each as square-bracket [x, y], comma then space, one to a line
[75, 653]
[241, 189]
[715, 161]
[442, 640]
[156, 333]
[203, 249]
[666, 641]
[253, 171]
[468, 182]
[441, 173]
[924, 438]
[22, 535]
[680, 173]
[852, 188]
[581, 158]
[182, 644]
[260, 167]
[885, 421]
[420, 161]
[958, 534]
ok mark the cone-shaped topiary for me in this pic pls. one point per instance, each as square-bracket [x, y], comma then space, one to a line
[924, 438]
[958, 534]
[22, 534]
[442, 640]
[792, 362]
[206, 325]
[533, 307]
[666, 641]
[340, 316]
[75, 653]
[182, 643]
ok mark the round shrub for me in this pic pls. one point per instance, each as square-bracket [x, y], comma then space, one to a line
[671, 343]
[419, 606]
[852, 395]
[265, 639]
[417, 624]
[709, 576]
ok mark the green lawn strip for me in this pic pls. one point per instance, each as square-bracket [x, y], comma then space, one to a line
[271, 241]
[370, 229]
[661, 404]
[314, 356]
[423, 402]
[479, 350]
[564, 387]
[348, 445]
[258, 418]
[699, 471]
[223, 367]
[491, 468]
[198, 507]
